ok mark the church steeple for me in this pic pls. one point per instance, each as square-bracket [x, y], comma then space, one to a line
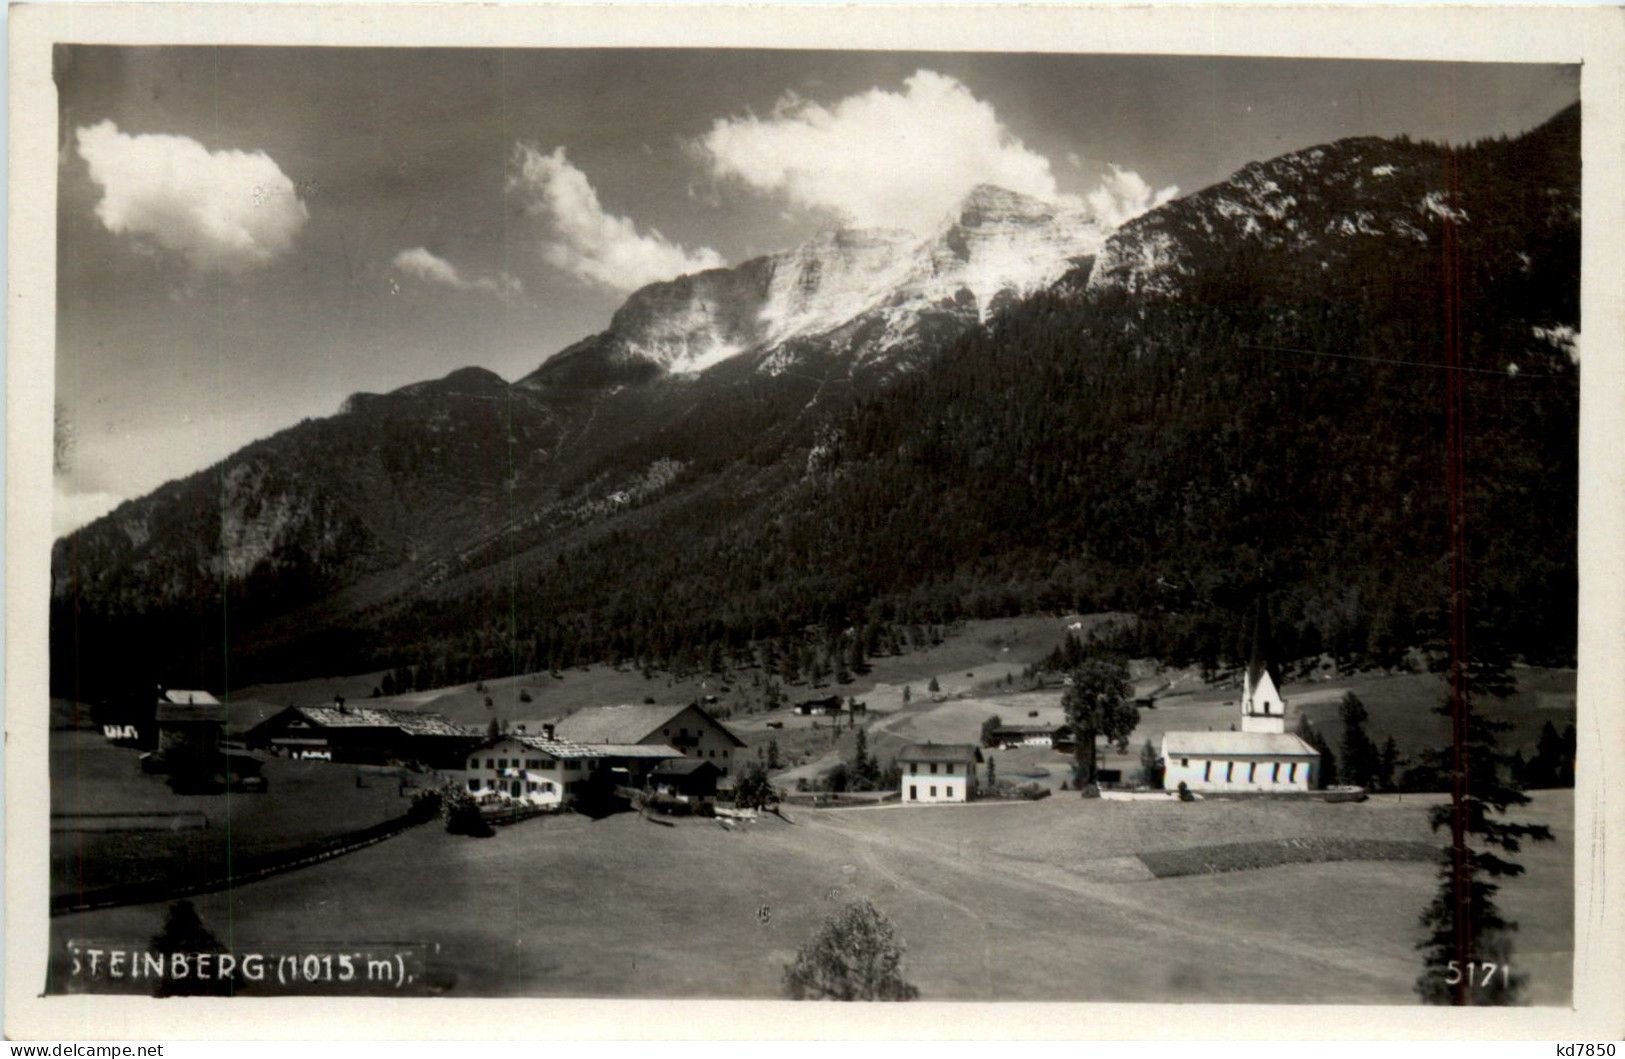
[1262, 708]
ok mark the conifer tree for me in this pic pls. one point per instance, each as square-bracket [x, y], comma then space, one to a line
[1463, 919]
[1361, 760]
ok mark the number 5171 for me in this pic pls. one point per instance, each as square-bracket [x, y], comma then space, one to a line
[1479, 974]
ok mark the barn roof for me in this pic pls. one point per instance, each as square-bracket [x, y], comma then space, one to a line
[1235, 744]
[624, 724]
[566, 748]
[557, 748]
[412, 722]
[183, 706]
[952, 752]
[183, 712]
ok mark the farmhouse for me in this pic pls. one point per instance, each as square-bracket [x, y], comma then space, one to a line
[694, 733]
[366, 735]
[1263, 756]
[939, 772]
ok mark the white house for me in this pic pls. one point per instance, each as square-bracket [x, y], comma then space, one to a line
[939, 772]
[1262, 757]
[527, 769]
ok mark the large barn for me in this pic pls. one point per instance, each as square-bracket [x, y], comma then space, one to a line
[366, 735]
[689, 729]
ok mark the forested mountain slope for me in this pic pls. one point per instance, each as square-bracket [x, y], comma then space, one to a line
[1243, 395]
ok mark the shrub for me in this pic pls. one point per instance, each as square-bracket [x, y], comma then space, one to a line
[463, 816]
[425, 806]
[856, 956]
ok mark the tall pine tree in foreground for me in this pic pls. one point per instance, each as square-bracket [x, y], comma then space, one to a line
[1463, 914]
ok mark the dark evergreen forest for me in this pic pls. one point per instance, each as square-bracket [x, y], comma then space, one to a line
[1274, 426]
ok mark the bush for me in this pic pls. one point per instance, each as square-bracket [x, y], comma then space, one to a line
[425, 806]
[463, 816]
[856, 956]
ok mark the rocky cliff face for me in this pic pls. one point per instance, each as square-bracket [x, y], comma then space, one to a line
[868, 295]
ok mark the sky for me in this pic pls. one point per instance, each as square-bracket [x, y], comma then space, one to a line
[246, 236]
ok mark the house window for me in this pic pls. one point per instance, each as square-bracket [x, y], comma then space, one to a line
[473, 762]
[1229, 771]
[913, 793]
[1252, 768]
[490, 764]
[502, 762]
[913, 768]
[473, 785]
[1275, 774]
[933, 772]
[725, 755]
[1184, 762]
[1292, 773]
[933, 792]
[713, 753]
[1207, 770]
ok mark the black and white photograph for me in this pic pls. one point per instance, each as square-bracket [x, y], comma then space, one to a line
[813, 523]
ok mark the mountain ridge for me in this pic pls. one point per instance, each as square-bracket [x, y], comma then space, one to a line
[407, 527]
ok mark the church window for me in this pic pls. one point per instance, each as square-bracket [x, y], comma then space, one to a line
[1229, 771]
[1252, 768]
[1207, 770]
[1275, 775]
[1292, 773]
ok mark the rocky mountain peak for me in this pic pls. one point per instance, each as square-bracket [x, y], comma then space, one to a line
[866, 295]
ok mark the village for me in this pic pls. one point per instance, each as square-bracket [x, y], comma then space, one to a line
[682, 750]
[939, 783]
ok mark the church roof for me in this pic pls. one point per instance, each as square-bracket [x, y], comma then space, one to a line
[1235, 744]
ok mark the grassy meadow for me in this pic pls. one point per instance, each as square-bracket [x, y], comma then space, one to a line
[994, 900]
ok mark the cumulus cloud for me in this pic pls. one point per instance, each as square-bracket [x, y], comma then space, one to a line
[585, 240]
[880, 159]
[1123, 195]
[221, 211]
[419, 262]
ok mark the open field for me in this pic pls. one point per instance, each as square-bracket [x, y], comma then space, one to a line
[306, 800]
[995, 901]
[987, 649]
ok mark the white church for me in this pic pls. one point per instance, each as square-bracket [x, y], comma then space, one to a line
[1263, 756]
